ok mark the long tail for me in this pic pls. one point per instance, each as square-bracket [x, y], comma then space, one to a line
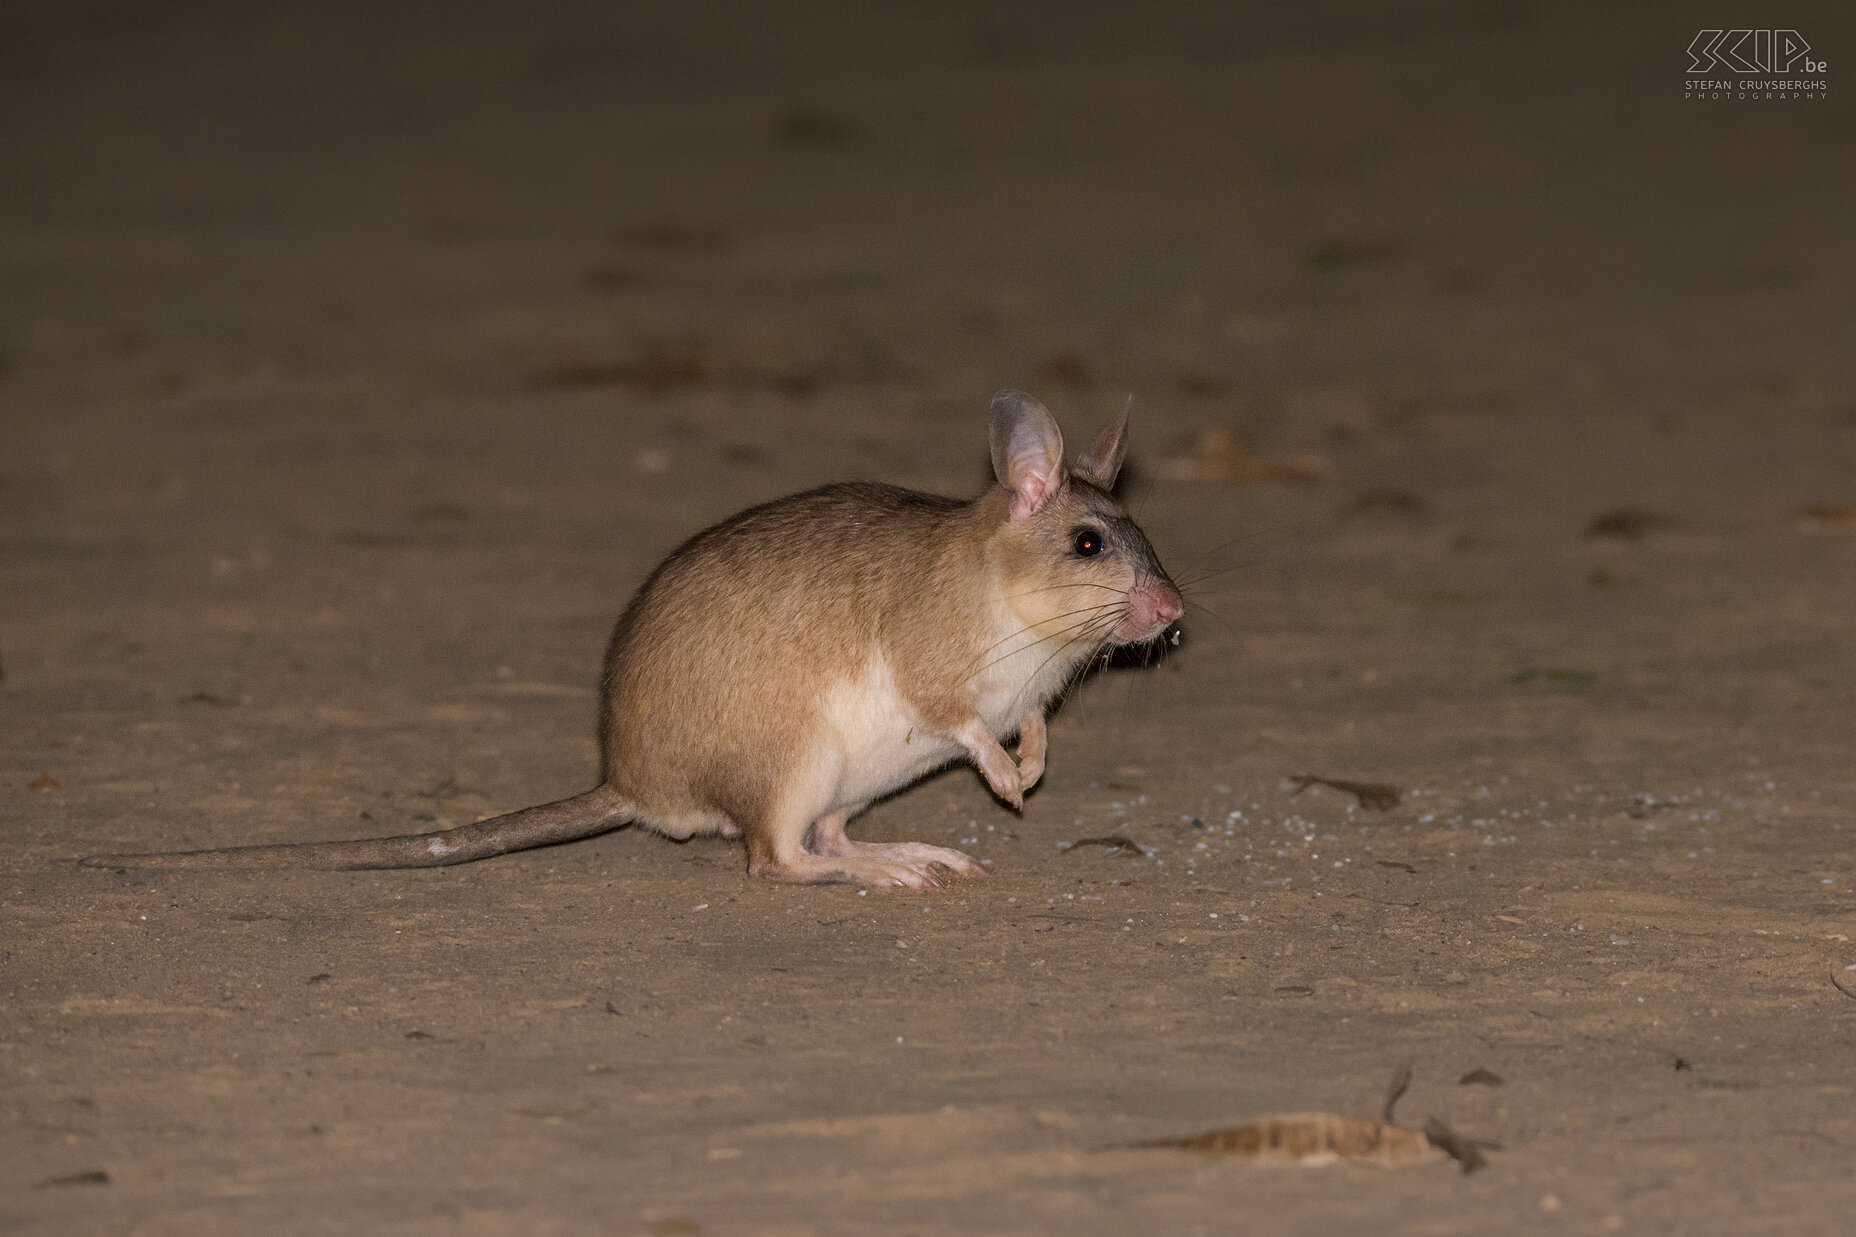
[596, 811]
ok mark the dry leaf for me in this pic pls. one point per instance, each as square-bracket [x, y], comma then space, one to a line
[1395, 1091]
[1386, 502]
[1565, 676]
[1632, 524]
[660, 365]
[1066, 369]
[1313, 1139]
[1114, 843]
[1340, 252]
[95, 1176]
[672, 236]
[1316, 1138]
[1219, 455]
[810, 128]
[1465, 1151]
[1373, 796]
[1825, 520]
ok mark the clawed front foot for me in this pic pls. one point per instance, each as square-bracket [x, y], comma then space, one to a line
[1000, 770]
[1033, 742]
[1005, 780]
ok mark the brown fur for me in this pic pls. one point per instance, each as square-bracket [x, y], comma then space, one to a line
[802, 586]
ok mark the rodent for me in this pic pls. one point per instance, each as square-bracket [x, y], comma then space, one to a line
[790, 665]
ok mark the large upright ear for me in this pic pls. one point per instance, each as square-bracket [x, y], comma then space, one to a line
[1102, 462]
[1027, 451]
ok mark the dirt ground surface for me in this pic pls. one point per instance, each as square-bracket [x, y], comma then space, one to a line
[358, 361]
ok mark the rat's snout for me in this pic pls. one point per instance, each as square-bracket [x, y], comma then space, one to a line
[1154, 605]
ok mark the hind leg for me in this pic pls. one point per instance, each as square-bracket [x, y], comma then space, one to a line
[827, 838]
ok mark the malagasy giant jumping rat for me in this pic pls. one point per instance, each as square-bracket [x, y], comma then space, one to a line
[790, 665]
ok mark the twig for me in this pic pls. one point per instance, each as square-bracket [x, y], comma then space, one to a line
[1401, 1083]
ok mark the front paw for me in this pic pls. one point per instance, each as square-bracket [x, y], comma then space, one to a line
[1006, 781]
[1030, 769]
[1012, 795]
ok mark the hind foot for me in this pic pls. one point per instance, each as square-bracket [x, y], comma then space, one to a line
[827, 839]
[820, 854]
[914, 853]
[806, 868]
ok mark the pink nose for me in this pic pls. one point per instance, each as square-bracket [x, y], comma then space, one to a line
[1159, 604]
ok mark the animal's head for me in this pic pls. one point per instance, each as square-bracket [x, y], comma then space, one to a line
[1074, 561]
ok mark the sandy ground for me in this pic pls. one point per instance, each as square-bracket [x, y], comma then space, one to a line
[355, 367]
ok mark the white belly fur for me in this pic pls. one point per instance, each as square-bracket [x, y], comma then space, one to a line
[882, 742]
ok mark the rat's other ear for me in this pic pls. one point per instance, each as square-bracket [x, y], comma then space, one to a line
[1102, 462]
[1027, 451]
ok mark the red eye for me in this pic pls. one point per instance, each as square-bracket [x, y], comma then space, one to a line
[1087, 542]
